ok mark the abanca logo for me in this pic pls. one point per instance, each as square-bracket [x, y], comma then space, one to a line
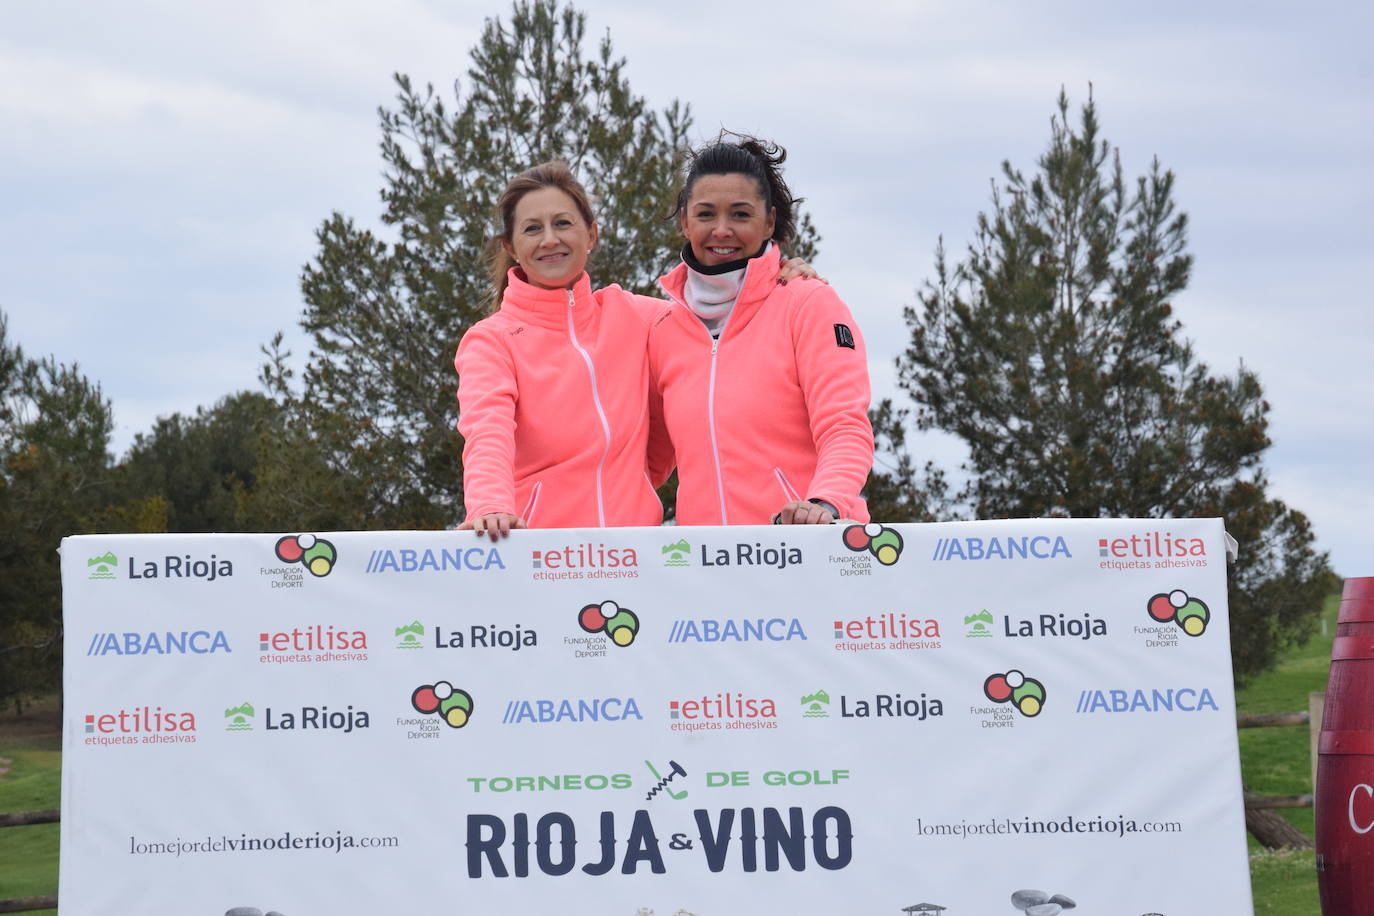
[543, 712]
[749, 629]
[475, 559]
[1039, 547]
[197, 642]
[1181, 699]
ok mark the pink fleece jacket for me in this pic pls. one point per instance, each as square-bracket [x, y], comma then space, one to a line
[553, 407]
[775, 410]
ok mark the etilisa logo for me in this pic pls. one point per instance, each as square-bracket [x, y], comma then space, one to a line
[140, 725]
[182, 642]
[102, 567]
[429, 560]
[886, 632]
[559, 711]
[728, 711]
[1026, 547]
[1146, 700]
[317, 555]
[312, 643]
[1151, 550]
[585, 561]
[742, 629]
[678, 553]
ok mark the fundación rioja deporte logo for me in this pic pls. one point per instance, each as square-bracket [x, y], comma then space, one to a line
[315, 554]
[1025, 693]
[1178, 607]
[883, 542]
[441, 698]
[610, 619]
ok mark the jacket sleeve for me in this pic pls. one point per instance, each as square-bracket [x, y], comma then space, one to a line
[661, 457]
[486, 419]
[832, 367]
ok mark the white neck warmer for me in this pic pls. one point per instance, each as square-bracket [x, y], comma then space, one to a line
[711, 297]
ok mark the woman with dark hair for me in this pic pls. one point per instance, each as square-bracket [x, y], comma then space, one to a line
[764, 385]
[553, 386]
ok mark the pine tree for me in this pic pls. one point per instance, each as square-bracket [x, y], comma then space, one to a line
[55, 429]
[1053, 352]
[369, 438]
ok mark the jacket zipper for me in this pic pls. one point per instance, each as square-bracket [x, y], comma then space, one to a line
[600, 412]
[711, 422]
[790, 494]
[533, 504]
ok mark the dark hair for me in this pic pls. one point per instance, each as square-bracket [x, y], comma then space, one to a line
[555, 174]
[741, 154]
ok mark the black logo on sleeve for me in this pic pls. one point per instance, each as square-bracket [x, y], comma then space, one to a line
[843, 336]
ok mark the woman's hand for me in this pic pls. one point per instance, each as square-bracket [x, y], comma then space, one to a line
[804, 513]
[494, 524]
[792, 268]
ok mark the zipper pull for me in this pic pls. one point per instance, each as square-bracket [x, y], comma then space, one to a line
[715, 342]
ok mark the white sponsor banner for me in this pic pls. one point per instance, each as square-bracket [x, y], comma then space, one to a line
[961, 718]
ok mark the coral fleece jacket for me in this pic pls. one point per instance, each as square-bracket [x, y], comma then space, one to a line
[776, 410]
[553, 407]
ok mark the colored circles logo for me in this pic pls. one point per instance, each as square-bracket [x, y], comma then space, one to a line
[1025, 693]
[1191, 614]
[884, 543]
[441, 698]
[619, 623]
[315, 554]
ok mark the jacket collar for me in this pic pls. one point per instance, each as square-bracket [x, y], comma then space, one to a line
[760, 278]
[547, 308]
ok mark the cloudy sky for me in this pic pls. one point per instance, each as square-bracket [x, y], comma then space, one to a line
[163, 167]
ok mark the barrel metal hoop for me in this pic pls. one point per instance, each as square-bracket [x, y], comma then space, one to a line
[1346, 743]
[1352, 648]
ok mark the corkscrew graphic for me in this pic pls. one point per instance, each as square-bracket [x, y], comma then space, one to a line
[662, 784]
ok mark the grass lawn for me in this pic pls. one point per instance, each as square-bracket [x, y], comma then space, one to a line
[1274, 761]
[1278, 761]
[33, 782]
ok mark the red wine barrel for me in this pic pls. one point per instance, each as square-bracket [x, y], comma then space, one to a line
[1345, 761]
